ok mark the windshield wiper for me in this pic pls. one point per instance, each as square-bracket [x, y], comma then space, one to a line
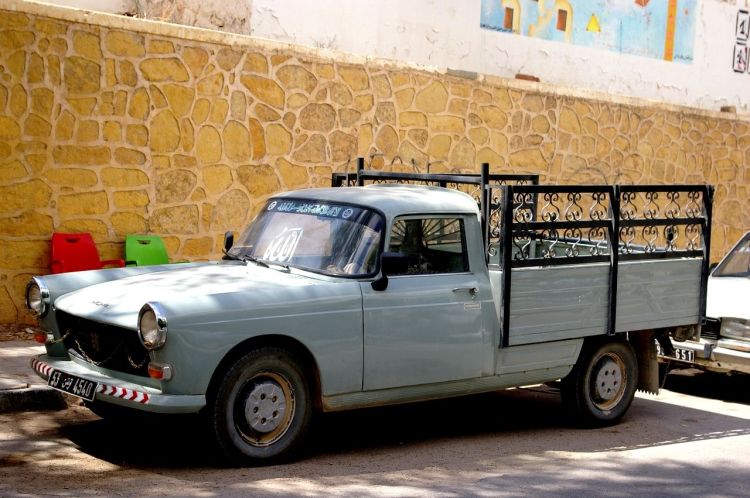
[231, 257]
[254, 260]
[283, 267]
[261, 262]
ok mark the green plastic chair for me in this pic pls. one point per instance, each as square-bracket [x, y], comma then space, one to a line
[144, 250]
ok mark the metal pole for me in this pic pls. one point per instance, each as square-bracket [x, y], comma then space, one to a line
[708, 199]
[360, 169]
[614, 257]
[484, 202]
[507, 231]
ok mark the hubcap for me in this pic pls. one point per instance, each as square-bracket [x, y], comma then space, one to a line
[265, 406]
[608, 384]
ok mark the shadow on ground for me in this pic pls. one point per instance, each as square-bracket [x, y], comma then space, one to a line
[425, 445]
[734, 388]
[533, 416]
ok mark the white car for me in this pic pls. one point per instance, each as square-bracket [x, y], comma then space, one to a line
[724, 344]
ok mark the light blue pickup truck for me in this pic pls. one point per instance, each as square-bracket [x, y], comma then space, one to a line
[389, 288]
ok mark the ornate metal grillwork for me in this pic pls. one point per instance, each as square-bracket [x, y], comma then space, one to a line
[569, 224]
[551, 225]
[662, 221]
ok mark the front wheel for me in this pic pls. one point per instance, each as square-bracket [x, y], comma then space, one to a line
[261, 409]
[602, 385]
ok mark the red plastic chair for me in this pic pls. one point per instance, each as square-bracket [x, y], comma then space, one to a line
[77, 252]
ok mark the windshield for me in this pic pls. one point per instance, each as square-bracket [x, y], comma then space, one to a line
[330, 238]
[737, 262]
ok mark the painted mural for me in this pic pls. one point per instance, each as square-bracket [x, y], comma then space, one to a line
[661, 29]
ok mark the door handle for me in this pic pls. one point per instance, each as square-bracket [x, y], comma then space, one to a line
[471, 290]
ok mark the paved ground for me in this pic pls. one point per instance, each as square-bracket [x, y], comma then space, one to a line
[14, 364]
[20, 388]
[691, 440]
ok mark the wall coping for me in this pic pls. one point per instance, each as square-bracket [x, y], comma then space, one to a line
[159, 28]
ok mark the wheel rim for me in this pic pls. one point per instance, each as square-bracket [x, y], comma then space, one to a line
[264, 409]
[608, 381]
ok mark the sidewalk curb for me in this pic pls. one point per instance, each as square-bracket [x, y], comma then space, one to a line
[35, 398]
[21, 387]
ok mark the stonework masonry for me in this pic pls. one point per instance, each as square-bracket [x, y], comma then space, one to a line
[114, 125]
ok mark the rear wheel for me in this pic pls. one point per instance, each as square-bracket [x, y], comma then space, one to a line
[261, 410]
[602, 385]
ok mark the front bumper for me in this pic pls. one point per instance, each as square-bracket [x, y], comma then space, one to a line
[712, 356]
[120, 392]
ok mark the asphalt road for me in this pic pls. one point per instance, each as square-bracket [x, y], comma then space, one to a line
[691, 440]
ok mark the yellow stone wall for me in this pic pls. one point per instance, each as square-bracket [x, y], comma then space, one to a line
[113, 125]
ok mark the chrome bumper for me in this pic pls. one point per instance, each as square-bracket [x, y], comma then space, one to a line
[713, 356]
[120, 392]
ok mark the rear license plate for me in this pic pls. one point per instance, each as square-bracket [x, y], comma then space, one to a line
[71, 384]
[679, 354]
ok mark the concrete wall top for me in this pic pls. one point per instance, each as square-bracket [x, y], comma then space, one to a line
[447, 34]
[689, 52]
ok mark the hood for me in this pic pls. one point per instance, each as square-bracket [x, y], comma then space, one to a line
[188, 291]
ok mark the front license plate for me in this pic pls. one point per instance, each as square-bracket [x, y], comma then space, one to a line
[679, 354]
[71, 384]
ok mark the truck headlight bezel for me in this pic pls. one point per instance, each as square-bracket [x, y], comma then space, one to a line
[37, 297]
[152, 326]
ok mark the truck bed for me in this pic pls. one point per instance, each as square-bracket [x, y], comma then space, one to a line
[571, 301]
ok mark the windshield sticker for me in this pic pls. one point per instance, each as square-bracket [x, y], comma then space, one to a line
[282, 246]
[313, 208]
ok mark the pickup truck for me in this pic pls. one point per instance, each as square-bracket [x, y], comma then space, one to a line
[389, 288]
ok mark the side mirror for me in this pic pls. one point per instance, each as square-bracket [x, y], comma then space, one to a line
[228, 242]
[391, 263]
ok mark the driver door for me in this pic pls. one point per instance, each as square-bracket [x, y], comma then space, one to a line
[426, 326]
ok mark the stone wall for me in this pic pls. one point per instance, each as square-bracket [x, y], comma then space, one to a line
[113, 126]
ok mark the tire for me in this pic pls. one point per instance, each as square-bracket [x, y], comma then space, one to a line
[261, 409]
[602, 385]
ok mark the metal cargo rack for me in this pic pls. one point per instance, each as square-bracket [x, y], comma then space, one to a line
[526, 224]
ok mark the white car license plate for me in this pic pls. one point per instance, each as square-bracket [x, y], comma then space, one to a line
[72, 384]
[679, 354]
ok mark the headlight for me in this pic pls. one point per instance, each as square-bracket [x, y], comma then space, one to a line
[152, 326]
[735, 328]
[37, 297]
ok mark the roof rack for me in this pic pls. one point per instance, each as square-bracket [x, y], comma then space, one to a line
[476, 185]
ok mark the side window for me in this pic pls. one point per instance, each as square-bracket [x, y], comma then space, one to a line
[431, 245]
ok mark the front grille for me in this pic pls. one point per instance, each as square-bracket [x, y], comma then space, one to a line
[108, 346]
